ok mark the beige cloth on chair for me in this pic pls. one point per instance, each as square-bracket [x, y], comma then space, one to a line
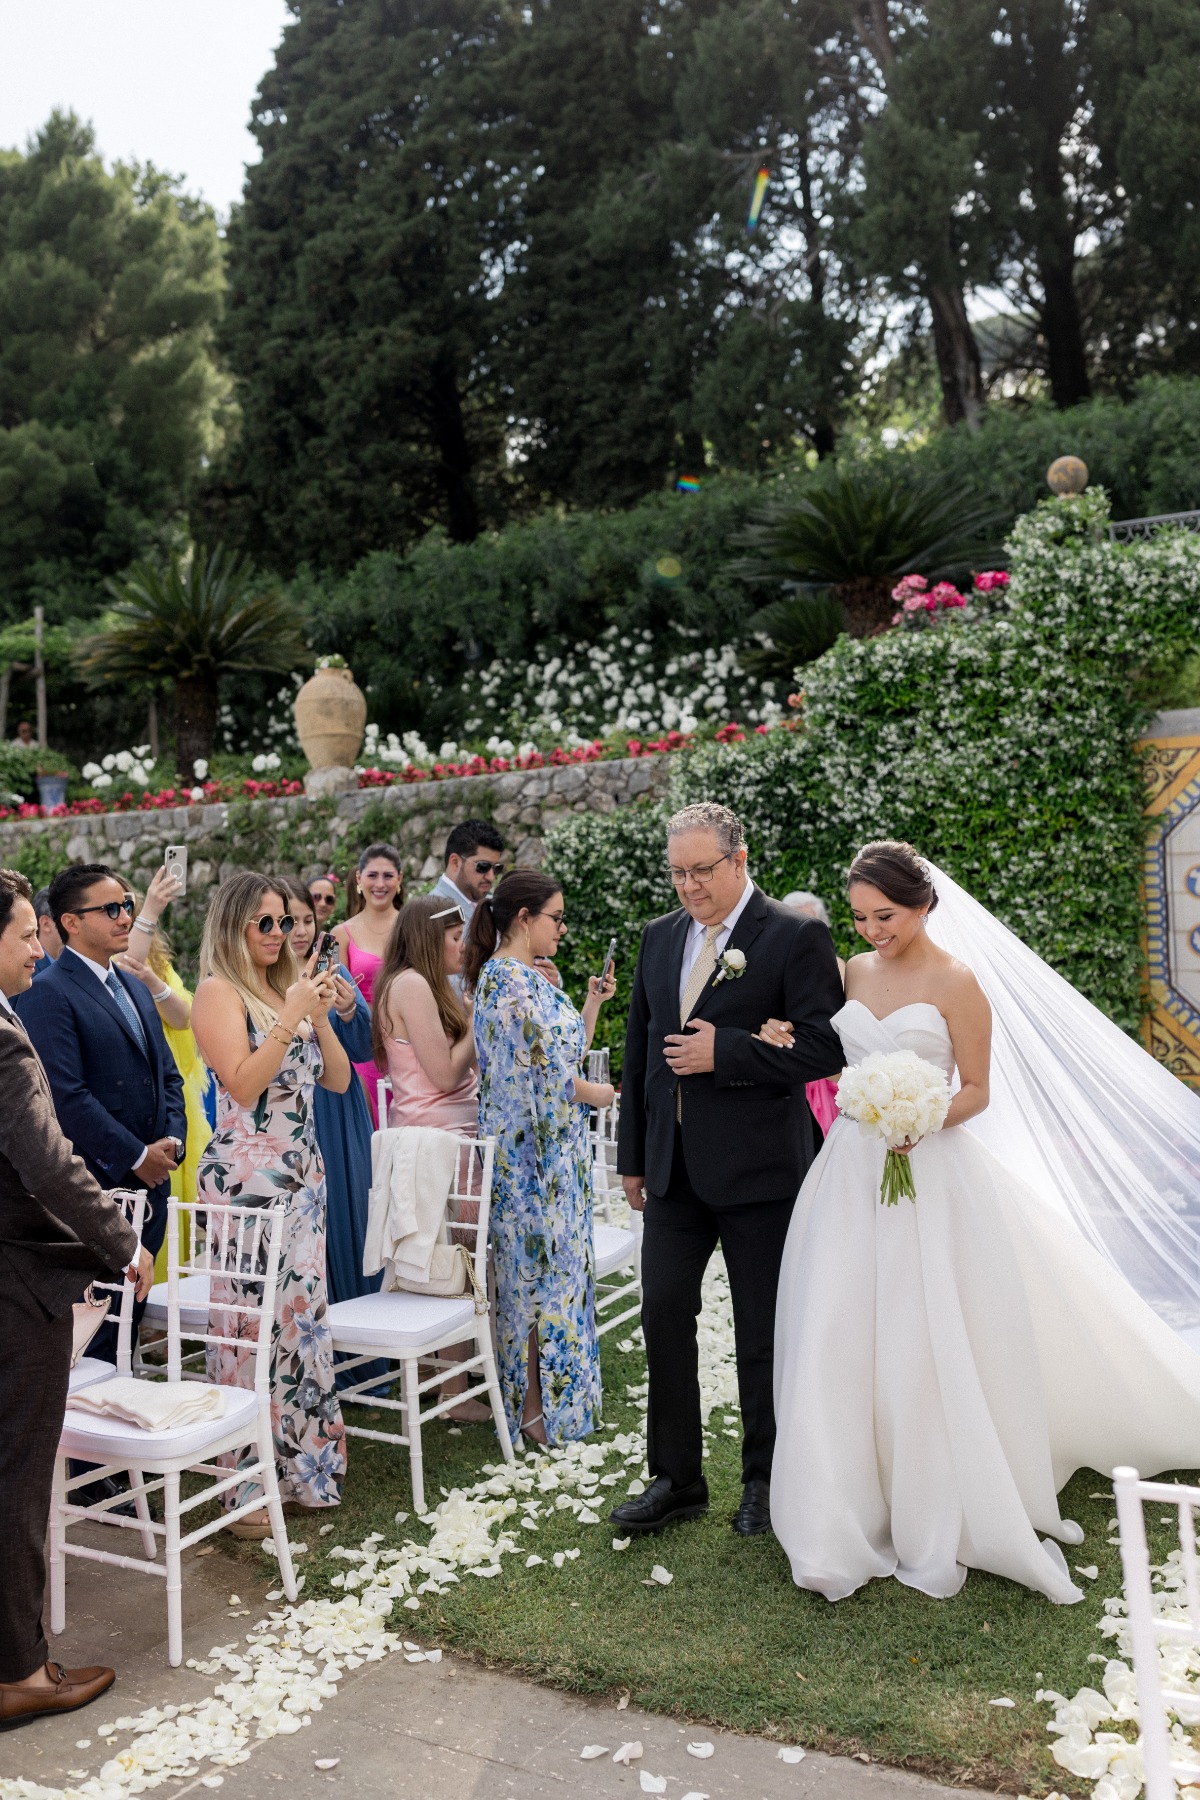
[412, 1173]
[154, 1405]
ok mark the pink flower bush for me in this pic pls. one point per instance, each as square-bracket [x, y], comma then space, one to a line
[919, 604]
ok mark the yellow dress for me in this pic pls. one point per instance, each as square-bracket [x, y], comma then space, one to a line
[194, 1074]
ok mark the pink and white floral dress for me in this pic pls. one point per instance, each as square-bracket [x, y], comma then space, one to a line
[258, 1156]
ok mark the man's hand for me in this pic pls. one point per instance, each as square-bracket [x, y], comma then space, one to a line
[694, 1054]
[158, 1162]
[142, 1271]
[635, 1190]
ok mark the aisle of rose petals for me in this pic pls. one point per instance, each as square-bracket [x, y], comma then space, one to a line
[286, 1668]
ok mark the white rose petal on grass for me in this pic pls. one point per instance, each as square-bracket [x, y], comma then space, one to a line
[590, 1752]
[1090, 1571]
[587, 1517]
[400, 1518]
[791, 1753]
[652, 1784]
[628, 1753]
[622, 1543]
[534, 1562]
[433, 1656]
[1002, 1702]
[702, 1748]
[324, 1532]
[660, 1577]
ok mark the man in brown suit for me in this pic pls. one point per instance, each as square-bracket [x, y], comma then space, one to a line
[58, 1231]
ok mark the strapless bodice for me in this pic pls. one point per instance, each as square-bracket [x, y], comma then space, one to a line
[918, 1027]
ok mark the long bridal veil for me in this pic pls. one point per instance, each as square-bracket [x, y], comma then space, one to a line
[1083, 1114]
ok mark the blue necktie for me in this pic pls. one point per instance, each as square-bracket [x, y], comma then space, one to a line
[116, 988]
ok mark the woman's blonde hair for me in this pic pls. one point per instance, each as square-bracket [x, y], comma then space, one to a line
[418, 942]
[224, 951]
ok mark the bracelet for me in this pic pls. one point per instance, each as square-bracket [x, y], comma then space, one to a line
[141, 923]
[285, 1041]
[159, 998]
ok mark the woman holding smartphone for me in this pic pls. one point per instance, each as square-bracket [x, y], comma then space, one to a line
[534, 1100]
[342, 1121]
[376, 895]
[263, 1029]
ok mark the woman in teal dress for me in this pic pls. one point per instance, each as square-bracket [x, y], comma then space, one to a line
[531, 1043]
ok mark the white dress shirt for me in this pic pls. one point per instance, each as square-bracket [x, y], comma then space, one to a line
[695, 937]
[101, 973]
[7, 1004]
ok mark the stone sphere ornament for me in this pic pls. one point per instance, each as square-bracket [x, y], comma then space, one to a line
[1067, 475]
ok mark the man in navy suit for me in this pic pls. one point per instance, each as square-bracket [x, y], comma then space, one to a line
[117, 1092]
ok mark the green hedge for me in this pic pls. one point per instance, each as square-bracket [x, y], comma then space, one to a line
[1001, 746]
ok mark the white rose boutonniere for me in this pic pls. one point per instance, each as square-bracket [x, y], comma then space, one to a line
[733, 966]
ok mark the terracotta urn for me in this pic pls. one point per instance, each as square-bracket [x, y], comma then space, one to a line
[330, 712]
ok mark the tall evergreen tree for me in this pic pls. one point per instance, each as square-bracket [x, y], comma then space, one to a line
[110, 395]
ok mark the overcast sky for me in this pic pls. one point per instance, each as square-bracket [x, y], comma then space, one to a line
[163, 81]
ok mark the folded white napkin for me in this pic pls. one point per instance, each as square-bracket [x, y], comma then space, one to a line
[154, 1405]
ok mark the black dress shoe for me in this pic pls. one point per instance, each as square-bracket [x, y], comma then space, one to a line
[660, 1504]
[753, 1516]
[107, 1488]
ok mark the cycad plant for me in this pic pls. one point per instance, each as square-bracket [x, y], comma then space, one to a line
[854, 532]
[188, 625]
[799, 629]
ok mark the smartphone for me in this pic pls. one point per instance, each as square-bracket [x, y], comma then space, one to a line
[608, 961]
[176, 865]
[327, 953]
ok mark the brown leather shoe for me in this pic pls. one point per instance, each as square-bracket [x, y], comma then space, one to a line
[72, 1688]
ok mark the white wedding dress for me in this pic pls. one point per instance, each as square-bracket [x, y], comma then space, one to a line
[942, 1367]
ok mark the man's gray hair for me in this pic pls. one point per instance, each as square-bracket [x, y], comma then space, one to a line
[708, 816]
[811, 905]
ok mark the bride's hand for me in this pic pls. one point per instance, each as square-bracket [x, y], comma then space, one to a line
[777, 1032]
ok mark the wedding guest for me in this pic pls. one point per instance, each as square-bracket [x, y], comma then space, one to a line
[48, 936]
[821, 1095]
[343, 1123]
[58, 1231]
[117, 1091]
[422, 1028]
[324, 891]
[263, 1028]
[375, 897]
[25, 736]
[531, 1043]
[474, 863]
[148, 960]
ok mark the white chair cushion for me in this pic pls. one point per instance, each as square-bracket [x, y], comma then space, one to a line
[193, 1305]
[103, 1440]
[395, 1323]
[87, 1370]
[614, 1247]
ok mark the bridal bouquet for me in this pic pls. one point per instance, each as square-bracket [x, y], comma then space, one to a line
[899, 1097]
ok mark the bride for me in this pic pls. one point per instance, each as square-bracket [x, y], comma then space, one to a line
[943, 1367]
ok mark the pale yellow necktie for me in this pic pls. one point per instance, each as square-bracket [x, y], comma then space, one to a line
[697, 981]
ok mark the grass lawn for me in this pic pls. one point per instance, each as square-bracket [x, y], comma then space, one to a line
[731, 1641]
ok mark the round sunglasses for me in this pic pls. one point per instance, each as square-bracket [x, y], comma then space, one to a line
[267, 924]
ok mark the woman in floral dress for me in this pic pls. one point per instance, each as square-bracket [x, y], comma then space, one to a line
[531, 1043]
[264, 1030]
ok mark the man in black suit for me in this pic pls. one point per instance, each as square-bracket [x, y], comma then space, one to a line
[117, 1090]
[57, 1233]
[715, 1138]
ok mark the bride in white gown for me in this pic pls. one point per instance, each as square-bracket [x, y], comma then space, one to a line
[943, 1367]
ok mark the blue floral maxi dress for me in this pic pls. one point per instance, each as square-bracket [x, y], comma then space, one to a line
[531, 1043]
[257, 1156]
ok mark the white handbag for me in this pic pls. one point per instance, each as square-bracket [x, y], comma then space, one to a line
[89, 1315]
[451, 1273]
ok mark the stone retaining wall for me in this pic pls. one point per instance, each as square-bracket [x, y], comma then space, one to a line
[306, 837]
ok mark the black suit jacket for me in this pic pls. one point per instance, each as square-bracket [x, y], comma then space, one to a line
[111, 1097]
[57, 1230]
[747, 1132]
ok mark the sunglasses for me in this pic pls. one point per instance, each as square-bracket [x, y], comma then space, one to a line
[485, 868]
[267, 924]
[447, 912]
[113, 908]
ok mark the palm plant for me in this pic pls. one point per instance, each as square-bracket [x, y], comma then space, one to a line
[798, 628]
[856, 531]
[187, 626]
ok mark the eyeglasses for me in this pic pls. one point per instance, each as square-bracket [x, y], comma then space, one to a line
[267, 924]
[446, 912]
[560, 919]
[485, 868]
[703, 873]
[114, 908]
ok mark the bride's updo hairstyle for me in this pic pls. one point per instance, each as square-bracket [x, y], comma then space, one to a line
[897, 871]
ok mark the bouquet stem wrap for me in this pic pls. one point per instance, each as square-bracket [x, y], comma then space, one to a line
[897, 1096]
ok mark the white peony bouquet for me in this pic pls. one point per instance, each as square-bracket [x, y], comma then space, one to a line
[899, 1097]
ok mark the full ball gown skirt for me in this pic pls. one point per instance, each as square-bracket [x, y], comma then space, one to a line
[943, 1367]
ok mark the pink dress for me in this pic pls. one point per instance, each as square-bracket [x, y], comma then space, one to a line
[416, 1100]
[822, 1102]
[364, 966]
